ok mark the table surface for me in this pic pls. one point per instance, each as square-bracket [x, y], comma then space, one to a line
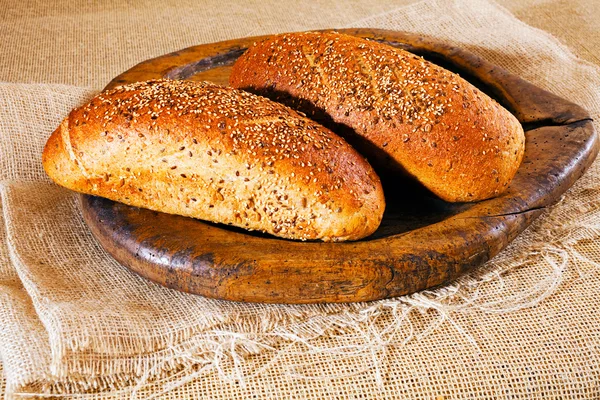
[576, 23]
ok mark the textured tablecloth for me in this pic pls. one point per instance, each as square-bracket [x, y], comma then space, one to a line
[73, 321]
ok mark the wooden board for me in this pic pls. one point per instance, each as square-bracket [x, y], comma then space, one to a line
[422, 242]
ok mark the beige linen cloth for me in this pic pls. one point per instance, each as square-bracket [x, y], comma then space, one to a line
[72, 320]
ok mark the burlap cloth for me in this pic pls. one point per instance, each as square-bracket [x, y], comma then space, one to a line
[74, 321]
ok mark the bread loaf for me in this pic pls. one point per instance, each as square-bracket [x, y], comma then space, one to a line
[404, 113]
[217, 154]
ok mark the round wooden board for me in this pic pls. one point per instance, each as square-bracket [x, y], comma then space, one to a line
[422, 242]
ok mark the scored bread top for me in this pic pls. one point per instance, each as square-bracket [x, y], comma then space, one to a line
[218, 154]
[405, 113]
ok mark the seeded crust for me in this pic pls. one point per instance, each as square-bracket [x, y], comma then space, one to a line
[217, 154]
[406, 114]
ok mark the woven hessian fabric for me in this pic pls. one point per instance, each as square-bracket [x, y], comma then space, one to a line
[72, 320]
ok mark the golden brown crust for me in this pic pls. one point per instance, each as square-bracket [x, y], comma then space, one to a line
[424, 120]
[217, 154]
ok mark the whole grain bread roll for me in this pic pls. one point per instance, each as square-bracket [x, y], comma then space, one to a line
[217, 154]
[404, 113]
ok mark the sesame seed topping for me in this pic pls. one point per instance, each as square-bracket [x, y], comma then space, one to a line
[279, 147]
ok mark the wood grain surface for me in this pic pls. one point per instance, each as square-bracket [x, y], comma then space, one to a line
[422, 242]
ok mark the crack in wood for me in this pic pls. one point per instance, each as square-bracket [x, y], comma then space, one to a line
[507, 214]
[548, 122]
